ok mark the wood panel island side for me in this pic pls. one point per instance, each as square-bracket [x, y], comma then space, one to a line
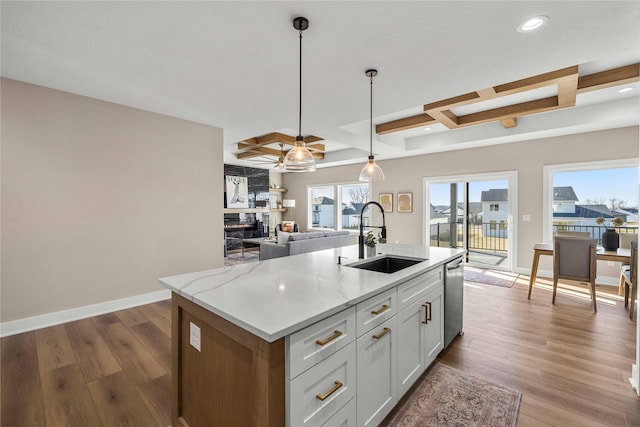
[303, 341]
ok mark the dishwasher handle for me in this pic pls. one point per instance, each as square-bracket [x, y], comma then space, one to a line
[454, 265]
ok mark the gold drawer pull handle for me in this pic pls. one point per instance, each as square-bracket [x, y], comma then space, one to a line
[382, 310]
[427, 313]
[327, 340]
[385, 331]
[335, 388]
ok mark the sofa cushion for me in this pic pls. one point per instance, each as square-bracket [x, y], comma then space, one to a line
[335, 233]
[298, 236]
[314, 234]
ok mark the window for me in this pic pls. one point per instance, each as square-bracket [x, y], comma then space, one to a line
[577, 194]
[494, 207]
[337, 206]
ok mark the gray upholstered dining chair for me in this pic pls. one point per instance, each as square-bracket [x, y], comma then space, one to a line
[631, 280]
[574, 258]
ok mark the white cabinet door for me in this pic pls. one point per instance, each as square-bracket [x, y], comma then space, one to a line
[411, 345]
[434, 306]
[420, 337]
[376, 353]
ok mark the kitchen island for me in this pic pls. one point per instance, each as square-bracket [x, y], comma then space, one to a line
[255, 344]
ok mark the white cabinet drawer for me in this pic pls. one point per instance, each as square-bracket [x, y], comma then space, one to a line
[376, 310]
[317, 394]
[315, 343]
[345, 417]
[415, 288]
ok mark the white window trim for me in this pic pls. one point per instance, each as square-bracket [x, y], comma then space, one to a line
[337, 218]
[547, 186]
[512, 226]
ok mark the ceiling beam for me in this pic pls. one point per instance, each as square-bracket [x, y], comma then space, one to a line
[568, 84]
[258, 146]
[608, 78]
[404, 124]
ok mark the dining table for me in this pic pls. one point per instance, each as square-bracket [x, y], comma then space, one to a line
[622, 255]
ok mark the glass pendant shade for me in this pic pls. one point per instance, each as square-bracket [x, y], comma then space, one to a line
[299, 159]
[371, 171]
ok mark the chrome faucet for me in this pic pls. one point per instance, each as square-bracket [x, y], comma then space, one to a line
[383, 232]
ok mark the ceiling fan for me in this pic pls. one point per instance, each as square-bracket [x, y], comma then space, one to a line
[279, 163]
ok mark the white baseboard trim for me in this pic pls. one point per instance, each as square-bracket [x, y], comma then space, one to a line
[634, 380]
[64, 316]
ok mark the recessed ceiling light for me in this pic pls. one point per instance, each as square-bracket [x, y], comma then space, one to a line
[427, 128]
[625, 89]
[532, 24]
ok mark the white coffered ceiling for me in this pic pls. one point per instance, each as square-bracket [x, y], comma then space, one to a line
[235, 64]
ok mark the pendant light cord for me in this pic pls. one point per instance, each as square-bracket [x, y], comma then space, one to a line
[300, 92]
[371, 115]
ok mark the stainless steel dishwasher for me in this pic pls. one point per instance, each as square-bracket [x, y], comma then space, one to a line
[453, 300]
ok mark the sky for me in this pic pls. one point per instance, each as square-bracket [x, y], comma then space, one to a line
[619, 183]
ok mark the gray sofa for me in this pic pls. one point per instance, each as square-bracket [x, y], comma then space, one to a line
[299, 243]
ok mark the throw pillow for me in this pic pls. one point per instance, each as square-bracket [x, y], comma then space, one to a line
[283, 237]
[287, 226]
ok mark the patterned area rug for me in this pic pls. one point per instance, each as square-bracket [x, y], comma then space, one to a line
[489, 277]
[450, 397]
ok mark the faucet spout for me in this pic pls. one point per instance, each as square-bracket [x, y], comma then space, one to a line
[383, 232]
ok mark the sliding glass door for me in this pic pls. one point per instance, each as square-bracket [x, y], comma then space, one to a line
[474, 212]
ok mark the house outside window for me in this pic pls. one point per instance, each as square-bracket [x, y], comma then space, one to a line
[577, 194]
[337, 206]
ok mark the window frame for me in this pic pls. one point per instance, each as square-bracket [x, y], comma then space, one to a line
[337, 218]
[547, 187]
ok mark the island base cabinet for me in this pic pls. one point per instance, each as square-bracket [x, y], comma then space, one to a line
[435, 325]
[377, 373]
[420, 337]
[320, 392]
[345, 417]
[235, 379]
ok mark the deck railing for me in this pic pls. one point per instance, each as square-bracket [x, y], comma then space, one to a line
[491, 237]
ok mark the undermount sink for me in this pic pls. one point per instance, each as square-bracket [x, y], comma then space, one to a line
[387, 264]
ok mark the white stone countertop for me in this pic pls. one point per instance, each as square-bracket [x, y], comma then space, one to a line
[277, 297]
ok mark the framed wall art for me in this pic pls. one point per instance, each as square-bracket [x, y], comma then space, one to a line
[405, 202]
[386, 200]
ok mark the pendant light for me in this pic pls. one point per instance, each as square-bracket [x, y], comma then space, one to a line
[299, 158]
[371, 171]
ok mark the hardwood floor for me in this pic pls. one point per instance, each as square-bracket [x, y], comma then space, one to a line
[571, 365]
[108, 370]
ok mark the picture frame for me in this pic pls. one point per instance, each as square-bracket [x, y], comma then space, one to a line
[405, 202]
[386, 201]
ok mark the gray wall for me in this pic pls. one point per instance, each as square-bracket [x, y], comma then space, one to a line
[528, 158]
[100, 200]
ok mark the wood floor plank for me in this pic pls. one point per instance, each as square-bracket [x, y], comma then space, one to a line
[156, 394]
[157, 316]
[131, 316]
[131, 354]
[157, 343]
[118, 403]
[54, 348]
[105, 319]
[21, 390]
[95, 357]
[65, 398]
